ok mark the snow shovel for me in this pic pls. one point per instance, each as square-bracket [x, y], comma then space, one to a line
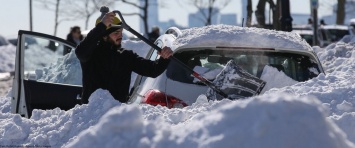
[236, 82]
[172, 58]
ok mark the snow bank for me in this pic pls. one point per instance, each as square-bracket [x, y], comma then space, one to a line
[54, 127]
[282, 117]
[337, 56]
[227, 35]
[7, 58]
[270, 74]
[336, 89]
[261, 122]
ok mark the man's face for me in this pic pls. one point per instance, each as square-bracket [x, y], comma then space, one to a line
[116, 37]
[76, 34]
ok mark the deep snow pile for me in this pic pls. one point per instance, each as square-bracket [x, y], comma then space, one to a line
[336, 89]
[258, 122]
[315, 113]
[7, 58]
[336, 57]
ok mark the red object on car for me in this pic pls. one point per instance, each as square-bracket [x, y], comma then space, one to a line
[156, 97]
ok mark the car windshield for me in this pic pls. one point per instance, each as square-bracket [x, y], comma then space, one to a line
[308, 38]
[336, 34]
[296, 66]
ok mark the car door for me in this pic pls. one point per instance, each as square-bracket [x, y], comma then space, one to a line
[30, 92]
[163, 40]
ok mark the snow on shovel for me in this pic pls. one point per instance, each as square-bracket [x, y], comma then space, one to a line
[235, 82]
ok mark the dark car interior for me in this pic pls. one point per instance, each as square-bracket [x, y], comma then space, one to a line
[43, 95]
[293, 65]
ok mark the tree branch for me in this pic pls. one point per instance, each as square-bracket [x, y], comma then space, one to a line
[133, 4]
[130, 14]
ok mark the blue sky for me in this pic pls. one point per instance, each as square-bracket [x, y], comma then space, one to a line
[14, 15]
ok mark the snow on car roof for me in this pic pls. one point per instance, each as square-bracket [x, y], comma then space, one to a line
[341, 27]
[352, 21]
[235, 36]
[303, 32]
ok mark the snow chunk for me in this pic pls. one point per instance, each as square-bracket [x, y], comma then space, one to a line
[275, 78]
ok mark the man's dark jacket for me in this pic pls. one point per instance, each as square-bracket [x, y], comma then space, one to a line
[109, 67]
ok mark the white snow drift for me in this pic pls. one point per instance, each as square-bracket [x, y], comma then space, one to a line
[316, 113]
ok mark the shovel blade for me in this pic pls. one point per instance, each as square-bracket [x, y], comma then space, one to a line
[236, 83]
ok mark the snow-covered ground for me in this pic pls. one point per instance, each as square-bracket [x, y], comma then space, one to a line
[316, 113]
[7, 58]
[7, 64]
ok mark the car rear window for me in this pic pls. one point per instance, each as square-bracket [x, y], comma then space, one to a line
[336, 34]
[296, 66]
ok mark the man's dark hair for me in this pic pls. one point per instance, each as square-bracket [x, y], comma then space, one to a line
[73, 29]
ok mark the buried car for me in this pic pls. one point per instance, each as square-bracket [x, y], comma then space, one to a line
[205, 49]
[208, 49]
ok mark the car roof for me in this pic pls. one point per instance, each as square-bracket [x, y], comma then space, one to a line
[302, 27]
[235, 36]
[352, 21]
[189, 47]
[303, 32]
[340, 27]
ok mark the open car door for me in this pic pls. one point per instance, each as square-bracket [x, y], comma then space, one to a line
[34, 52]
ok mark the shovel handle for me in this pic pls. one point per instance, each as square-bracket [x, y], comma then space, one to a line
[184, 66]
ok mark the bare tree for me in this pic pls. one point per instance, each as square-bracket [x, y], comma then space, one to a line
[342, 8]
[143, 8]
[84, 9]
[260, 13]
[208, 8]
[250, 12]
[66, 10]
[340, 12]
[55, 5]
[30, 15]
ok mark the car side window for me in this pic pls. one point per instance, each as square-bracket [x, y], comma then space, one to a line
[41, 55]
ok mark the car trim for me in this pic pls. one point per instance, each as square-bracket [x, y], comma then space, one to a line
[41, 35]
[243, 48]
[19, 80]
[20, 49]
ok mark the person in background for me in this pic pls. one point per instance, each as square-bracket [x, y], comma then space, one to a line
[74, 37]
[106, 65]
[152, 36]
[322, 23]
[310, 21]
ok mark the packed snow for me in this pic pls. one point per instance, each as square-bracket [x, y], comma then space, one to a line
[221, 35]
[317, 113]
[7, 58]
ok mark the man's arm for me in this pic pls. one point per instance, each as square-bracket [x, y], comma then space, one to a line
[86, 47]
[152, 68]
[149, 68]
